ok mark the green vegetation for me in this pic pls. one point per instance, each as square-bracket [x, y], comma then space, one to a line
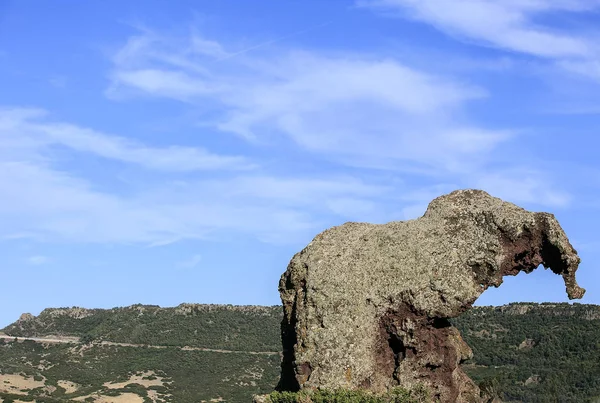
[187, 376]
[397, 395]
[210, 326]
[522, 353]
[535, 353]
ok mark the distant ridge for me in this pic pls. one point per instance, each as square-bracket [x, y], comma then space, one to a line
[216, 326]
[587, 311]
[584, 311]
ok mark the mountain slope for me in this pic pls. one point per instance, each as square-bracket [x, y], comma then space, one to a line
[230, 327]
[523, 352]
[535, 353]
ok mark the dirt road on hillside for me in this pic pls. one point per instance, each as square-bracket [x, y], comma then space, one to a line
[75, 340]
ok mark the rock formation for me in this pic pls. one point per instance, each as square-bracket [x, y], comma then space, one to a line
[366, 306]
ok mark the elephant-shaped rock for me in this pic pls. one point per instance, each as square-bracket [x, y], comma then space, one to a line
[366, 306]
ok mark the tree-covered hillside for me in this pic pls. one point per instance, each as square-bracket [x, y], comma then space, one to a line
[522, 353]
[93, 373]
[535, 353]
[230, 327]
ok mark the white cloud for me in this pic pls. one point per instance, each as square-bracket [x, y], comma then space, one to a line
[352, 109]
[24, 127]
[43, 202]
[172, 84]
[357, 109]
[297, 191]
[505, 24]
[588, 68]
[558, 37]
[521, 186]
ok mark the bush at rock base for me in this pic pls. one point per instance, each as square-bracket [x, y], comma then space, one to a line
[419, 394]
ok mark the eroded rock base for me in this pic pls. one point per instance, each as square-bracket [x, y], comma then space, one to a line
[415, 349]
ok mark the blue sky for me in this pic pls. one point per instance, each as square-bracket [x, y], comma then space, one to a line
[165, 152]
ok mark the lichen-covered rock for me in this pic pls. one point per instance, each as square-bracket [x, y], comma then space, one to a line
[366, 306]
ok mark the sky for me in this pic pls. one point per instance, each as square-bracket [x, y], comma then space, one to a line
[164, 152]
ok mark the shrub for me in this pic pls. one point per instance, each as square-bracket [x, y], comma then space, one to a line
[419, 394]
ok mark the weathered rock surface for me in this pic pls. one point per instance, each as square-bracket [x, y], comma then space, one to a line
[367, 306]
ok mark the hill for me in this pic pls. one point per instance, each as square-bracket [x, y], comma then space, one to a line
[230, 327]
[203, 353]
[535, 352]
[190, 353]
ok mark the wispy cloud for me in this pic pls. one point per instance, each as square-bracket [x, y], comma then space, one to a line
[345, 109]
[513, 25]
[509, 24]
[44, 201]
[522, 185]
[561, 54]
[28, 127]
[355, 108]
[585, 68]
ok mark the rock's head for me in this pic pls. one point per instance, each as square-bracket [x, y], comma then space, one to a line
[367, 306]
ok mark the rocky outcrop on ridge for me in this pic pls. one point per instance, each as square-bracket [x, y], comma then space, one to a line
[366, 306]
